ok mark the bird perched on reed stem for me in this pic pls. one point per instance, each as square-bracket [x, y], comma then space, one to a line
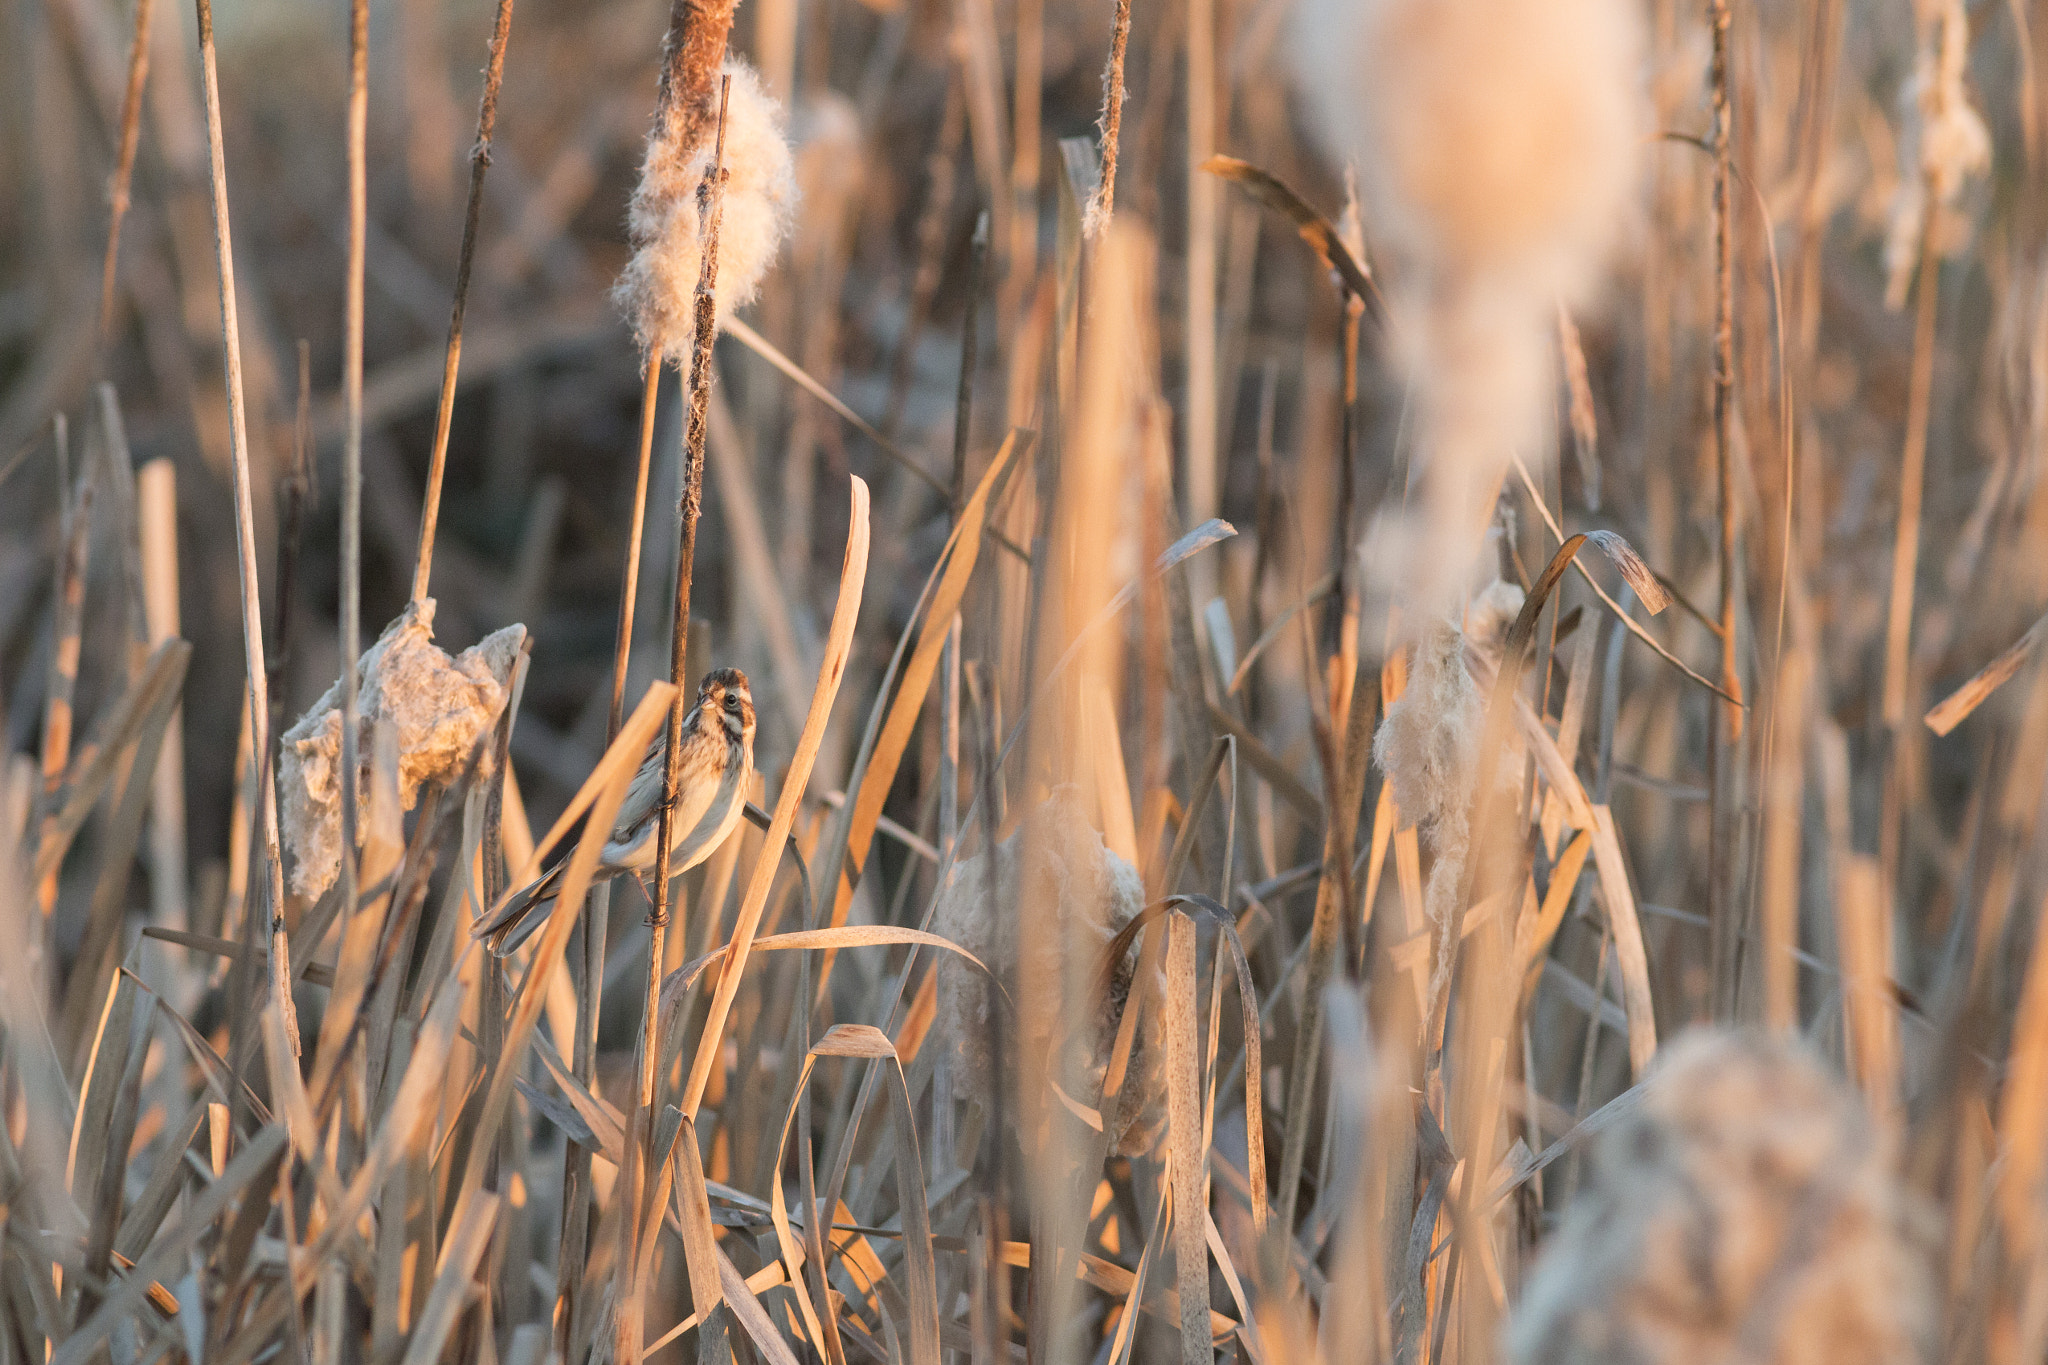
[718, 765]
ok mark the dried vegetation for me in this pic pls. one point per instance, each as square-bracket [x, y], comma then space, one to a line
[1341, 597]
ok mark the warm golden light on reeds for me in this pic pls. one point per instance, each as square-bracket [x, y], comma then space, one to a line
[1245, 851]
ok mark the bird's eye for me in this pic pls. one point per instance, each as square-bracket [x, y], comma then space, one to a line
[732, 702]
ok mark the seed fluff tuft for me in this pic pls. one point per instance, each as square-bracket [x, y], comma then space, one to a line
[657, 287]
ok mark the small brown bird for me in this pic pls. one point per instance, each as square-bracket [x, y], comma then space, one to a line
[718, 763]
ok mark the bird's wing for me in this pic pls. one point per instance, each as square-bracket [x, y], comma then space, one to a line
[720, 811]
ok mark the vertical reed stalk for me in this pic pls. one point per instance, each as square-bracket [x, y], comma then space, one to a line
[245, 526]
[479, 162]
[1726, 726]
[595, 920]
[1906, 552]
[1203, 484]
[124, 164]
[1113, 96]
[352, 446]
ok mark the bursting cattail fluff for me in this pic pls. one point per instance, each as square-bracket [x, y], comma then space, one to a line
[659, 283]
[1944, 144]
[1745, 1210]
[1498, 140]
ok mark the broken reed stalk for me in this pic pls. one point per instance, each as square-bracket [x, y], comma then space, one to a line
[1726, 727]
[124, 165]
[479, 162]
[352, 444]
[245, 528]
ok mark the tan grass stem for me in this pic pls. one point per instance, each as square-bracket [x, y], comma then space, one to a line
[245, 525]
[479, 162]
[352, 441]
[124, 164]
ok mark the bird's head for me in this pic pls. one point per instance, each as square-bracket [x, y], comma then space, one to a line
[723, 694]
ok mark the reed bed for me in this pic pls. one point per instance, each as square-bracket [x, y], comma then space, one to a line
[1396, 646]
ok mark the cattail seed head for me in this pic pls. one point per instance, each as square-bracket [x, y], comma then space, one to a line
[1429, 742]
[666, 224]
[1747, 1209]
[1498, 142]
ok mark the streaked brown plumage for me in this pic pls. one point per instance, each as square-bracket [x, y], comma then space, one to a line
[718, 763]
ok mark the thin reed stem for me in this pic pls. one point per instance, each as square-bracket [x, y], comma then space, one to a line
[352, 444]
[1726, 719]
[444, 414]
[245, 528]
[1113, 96]
[1906, 555]
[124, 164]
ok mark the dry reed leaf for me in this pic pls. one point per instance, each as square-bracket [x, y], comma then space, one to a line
[816, 1329]
[468, 1236]
[1555, 766]
[2023, 1108]
[1532, 950]
[258, 1155]
[107, 748]
[1629, 953]
[693, 1211]
[1131, 1284]
[1321, 235]
[831, 672]
[1946, 714]
[739, 1293]
[921, 1289]
[758, 1283]
[876, 772]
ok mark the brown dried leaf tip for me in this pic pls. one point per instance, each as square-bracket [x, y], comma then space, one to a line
[439, 705]
[1747, 1210]
[658, 284]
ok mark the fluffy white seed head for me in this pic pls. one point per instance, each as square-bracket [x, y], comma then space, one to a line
[1428, 744]
[1496, 137]
[1499, 142]
[1747, 1209]
[1944, 145]
[658, 287]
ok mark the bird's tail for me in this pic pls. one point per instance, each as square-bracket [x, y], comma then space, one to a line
[521, 914]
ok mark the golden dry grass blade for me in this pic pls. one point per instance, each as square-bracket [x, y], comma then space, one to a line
[467, 1239]
[832, 671]
[1556, 900]
[104, 752]
[1321, 235]
[739, 1292]
[1629, 952]
[169, 1250]
[878, 774]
